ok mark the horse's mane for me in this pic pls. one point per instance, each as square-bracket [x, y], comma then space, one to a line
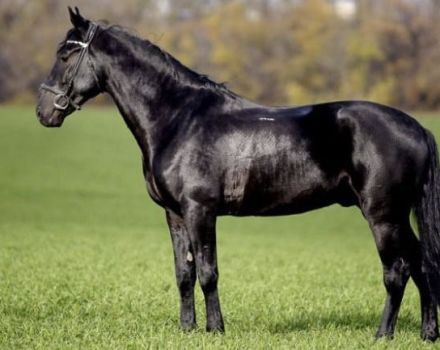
[176, 68]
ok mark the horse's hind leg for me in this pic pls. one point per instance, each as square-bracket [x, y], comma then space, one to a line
[185, 270]
[392, 242]
[400, 253]
[428, 304]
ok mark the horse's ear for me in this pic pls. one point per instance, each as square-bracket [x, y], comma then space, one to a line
[78, 21]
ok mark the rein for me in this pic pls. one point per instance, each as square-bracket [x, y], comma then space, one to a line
[63, 99]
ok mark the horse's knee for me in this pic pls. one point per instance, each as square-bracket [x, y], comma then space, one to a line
[185, 278]
[208, 278]
[396, 275]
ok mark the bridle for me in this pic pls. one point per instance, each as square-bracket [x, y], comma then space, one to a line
[63, 98]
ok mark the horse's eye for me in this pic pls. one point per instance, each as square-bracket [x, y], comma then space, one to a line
[63, 55]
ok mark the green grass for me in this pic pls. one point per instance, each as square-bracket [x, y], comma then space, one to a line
[86, 259]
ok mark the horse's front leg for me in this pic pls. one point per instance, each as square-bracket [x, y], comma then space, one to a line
[185, 270]
[200, 222]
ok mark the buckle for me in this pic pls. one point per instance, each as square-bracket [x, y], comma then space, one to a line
[61, 102]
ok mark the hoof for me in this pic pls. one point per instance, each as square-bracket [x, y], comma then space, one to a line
[220, 329]
[384, 335]
[430, 336]
[188, 327]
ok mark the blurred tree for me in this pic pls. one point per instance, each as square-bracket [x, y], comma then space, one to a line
[407, 38]
[315, 65]
[273, 51]
[365, 67]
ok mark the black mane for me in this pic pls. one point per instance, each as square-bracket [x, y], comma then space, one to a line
[175, 67]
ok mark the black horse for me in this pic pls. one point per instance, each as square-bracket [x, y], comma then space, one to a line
[209, 152]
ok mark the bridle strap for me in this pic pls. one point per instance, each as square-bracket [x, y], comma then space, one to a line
[63, 99]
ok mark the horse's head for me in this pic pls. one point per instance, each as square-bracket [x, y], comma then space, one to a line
[73, 79]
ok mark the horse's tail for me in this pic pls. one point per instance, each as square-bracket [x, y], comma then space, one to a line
[427, 210]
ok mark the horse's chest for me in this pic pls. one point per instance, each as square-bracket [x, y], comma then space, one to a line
[151, 183]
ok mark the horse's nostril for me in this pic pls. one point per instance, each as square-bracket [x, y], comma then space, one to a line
[39, 112]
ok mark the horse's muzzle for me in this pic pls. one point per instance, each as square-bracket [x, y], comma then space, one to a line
[54, 119]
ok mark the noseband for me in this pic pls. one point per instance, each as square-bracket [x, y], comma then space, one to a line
[63, 99]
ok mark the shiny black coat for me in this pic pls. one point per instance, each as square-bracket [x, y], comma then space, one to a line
[209, 152]
[269, 161]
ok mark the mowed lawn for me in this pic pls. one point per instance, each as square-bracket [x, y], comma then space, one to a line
[86, 259]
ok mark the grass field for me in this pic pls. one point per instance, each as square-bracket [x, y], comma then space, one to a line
[86, 259]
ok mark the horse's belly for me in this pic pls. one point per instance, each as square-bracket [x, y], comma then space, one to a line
[283, 202]
[277, 189]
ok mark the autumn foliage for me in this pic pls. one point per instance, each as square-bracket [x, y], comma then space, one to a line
[273, 51]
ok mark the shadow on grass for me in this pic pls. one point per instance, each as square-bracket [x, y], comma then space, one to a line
[355, 321]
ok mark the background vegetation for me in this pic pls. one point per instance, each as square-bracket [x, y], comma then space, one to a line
[86, 260]
[85, 257]
[273, 51]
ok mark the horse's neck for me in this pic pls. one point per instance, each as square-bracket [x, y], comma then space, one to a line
[149, 100]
